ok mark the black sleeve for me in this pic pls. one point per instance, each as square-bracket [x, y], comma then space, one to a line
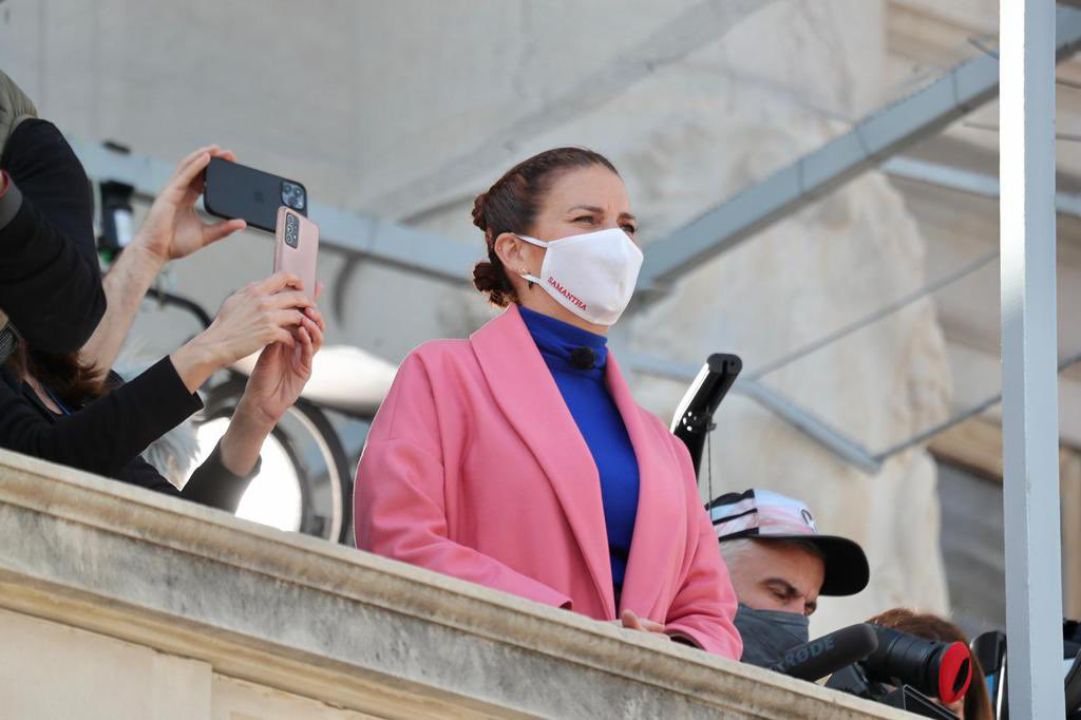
[214, 485]
[107, 434]
[49, 174]
[50, 292]
[50, 283]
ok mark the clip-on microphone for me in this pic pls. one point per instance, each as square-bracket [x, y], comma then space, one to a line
[583, 358]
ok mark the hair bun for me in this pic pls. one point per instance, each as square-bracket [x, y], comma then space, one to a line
[487, 278]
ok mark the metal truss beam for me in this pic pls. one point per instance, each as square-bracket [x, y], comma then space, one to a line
[871, 141]
[967, 181]
[360, 235]
[798, 417]
[814, 427]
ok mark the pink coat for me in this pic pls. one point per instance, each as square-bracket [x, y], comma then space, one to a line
[475, 468]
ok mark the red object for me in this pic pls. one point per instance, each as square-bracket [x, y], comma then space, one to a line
[5, 181]
[955, 673]
[474, 467]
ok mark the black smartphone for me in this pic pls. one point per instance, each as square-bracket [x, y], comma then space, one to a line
[237, 191]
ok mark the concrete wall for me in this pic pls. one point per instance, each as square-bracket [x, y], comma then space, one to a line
[406, 110]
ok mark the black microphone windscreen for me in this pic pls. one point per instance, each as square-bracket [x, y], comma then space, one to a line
[829, 653]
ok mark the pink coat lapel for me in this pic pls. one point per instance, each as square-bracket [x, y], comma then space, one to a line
[527, 394]
[659, 525]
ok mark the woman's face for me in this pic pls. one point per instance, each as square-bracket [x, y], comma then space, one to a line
[582, 200]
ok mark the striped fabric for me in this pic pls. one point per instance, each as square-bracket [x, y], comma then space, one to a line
[760, 513]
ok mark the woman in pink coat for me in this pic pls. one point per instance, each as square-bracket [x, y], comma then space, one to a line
[518, 459]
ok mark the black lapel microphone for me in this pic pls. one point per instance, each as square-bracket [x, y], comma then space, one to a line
[583, 358]
[829, 653]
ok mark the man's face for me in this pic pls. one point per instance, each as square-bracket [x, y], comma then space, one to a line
[777, 576]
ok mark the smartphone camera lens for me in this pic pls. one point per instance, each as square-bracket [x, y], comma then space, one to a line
[292, 230]
[293, 196]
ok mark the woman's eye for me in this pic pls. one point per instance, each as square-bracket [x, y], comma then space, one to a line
[629, 229]
[583, 218]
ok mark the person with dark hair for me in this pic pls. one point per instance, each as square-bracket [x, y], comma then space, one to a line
[63, 407]
[50, 286]
[518, 459]
[976, 703]
[779, 565]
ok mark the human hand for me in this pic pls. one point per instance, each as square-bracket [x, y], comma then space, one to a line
[282, 370]
[173, 229]
[257, 315]
[631, 621]
[249, 320]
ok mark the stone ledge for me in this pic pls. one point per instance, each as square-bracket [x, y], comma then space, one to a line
[348, 628]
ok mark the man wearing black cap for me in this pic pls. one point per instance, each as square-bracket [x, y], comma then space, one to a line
[779, 565]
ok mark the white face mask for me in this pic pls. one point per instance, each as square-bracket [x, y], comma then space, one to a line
[592, 275]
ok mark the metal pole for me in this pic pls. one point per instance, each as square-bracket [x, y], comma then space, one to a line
[1029, 350]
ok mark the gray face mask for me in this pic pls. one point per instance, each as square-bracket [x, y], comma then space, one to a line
[768, 634]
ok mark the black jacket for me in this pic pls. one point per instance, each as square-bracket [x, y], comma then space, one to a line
[50, 282]
[107, 435]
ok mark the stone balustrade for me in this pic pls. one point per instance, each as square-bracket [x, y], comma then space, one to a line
[120, 603]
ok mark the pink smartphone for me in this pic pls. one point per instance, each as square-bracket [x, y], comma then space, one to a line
[296, 247]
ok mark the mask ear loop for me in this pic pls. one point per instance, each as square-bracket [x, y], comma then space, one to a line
[531, 241]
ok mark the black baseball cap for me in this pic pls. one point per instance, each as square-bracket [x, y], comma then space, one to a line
[765, 515]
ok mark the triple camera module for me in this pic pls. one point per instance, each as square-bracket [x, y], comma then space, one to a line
[293, 196]
[292, 230]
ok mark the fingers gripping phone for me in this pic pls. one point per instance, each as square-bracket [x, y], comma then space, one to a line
[238, 191]
[296, 247]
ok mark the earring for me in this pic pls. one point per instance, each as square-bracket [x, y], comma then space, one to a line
[531, 283]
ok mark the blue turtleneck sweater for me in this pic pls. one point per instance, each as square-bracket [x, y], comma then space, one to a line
[594, 410]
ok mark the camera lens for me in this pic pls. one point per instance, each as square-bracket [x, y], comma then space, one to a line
[293, 195]
[292, 230]
[941, 669]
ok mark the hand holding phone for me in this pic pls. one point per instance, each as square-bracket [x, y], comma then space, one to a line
[296, 247]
